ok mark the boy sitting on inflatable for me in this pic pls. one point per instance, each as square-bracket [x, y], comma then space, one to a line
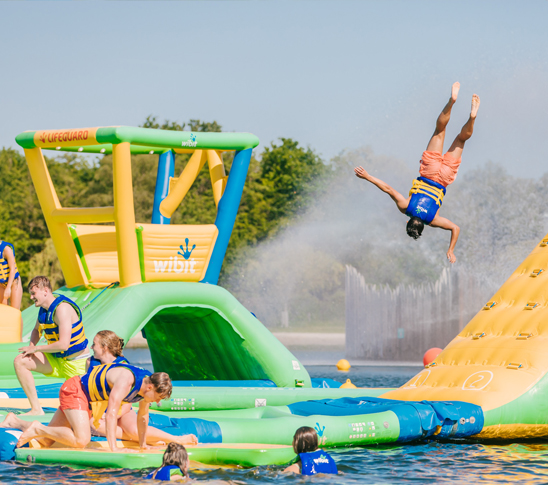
[437, 172]
[66, 352]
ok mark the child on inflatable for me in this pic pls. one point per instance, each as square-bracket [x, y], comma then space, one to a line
[65, 355]
[10, 281]
[107, 349]
[437, 172]
[174, 464]
[311, 459]
[115, 383]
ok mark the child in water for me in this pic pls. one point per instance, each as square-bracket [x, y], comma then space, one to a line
[311, 459]
[174, 464]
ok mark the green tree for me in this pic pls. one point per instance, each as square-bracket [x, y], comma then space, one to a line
[291, 175]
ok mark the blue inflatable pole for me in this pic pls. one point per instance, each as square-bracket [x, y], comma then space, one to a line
[226, 213]
[166, 169]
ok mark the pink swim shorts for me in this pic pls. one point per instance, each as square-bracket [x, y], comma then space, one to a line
[438, 168]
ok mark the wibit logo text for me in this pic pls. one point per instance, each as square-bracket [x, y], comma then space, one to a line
[420, 209]
[174, 265]
[190, 143]
[59, 136]
[321, 459]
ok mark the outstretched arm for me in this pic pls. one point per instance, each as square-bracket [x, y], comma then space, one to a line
[399, 199]
[446, 224]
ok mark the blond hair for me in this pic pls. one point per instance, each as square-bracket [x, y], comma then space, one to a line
[111, 341]
[41, 282]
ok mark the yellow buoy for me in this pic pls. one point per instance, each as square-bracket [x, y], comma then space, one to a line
[348, 385]
[343, 364]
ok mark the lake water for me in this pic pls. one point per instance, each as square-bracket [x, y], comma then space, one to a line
[455, 461]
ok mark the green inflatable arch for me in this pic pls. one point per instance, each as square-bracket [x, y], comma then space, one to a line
[195, 331]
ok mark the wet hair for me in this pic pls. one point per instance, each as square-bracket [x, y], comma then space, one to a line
[162, 384]
[305, 440]
[415, 227]
[111, 341]
[176, 455]
[41, 282]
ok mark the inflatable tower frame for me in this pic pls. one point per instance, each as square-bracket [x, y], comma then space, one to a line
[133, 274]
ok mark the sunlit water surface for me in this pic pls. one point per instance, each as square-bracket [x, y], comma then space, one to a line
[456, 461]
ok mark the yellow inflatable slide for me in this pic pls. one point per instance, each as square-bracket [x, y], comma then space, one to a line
[500, 359]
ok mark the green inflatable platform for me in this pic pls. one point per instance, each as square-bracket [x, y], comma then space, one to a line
[217, 454]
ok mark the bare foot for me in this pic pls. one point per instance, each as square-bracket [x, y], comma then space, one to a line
[475, 106]
[188, 439]
[33, 412]
[455, 91]
[10, 421]
[29, 434]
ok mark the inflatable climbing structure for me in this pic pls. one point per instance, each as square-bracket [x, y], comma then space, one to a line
[130, 275]
[499, 360]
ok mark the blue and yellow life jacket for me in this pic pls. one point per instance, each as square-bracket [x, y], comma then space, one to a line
[317, 462]
[4, 266]
[426, 199]
[164, 473]
[95, 384]
[50, 329]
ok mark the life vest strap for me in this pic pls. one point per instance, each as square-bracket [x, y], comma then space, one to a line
[421, 187]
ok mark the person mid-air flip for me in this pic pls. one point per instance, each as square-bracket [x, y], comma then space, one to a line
[437, 172]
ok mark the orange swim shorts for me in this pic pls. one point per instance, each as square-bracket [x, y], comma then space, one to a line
[438, 168]
[72, 396]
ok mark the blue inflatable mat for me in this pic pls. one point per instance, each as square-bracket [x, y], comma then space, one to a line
[45, 391]
[206, 431]
[425, 418]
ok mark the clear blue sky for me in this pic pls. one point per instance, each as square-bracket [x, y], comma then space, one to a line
[333, 75]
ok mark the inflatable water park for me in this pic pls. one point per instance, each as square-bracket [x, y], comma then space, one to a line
[236, 387]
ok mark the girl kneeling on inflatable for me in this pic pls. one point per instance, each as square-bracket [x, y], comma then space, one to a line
[107, 349]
